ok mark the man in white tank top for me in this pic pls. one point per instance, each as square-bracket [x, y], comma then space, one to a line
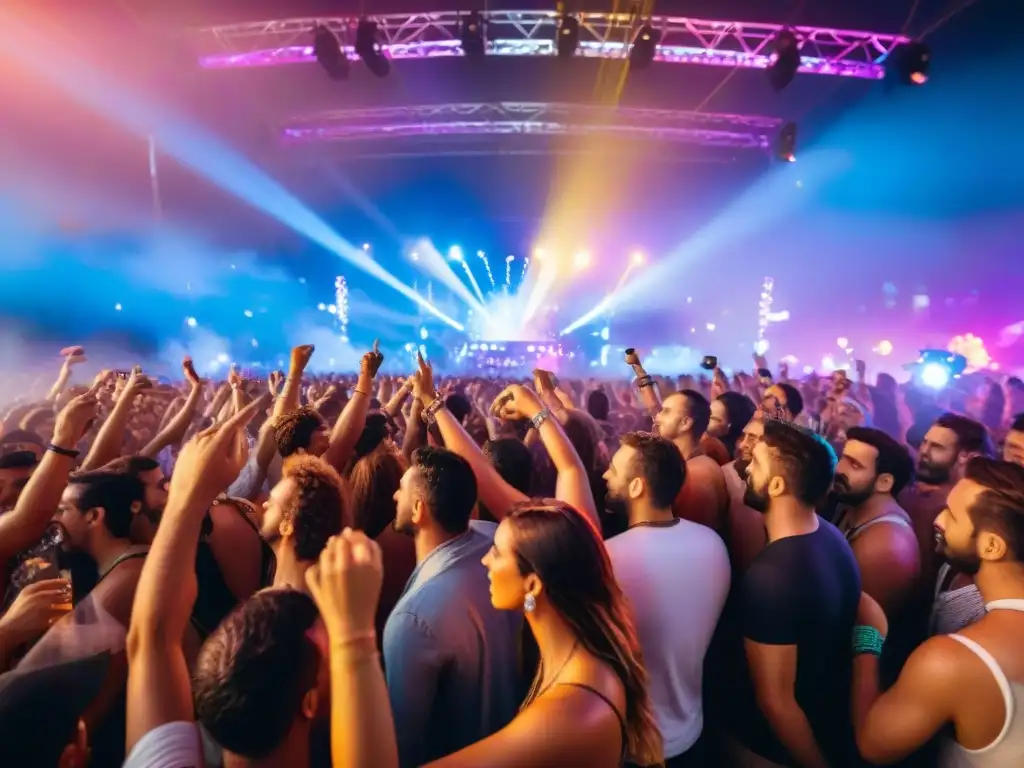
[676, 574]
[973, 680]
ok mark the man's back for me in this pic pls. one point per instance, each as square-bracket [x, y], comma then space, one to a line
[451, 658]
[804, 591]
[677, 579]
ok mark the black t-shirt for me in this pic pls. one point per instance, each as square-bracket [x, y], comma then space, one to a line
[804, 591]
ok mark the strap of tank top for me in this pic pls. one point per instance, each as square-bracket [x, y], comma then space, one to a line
[888, 517]
[1006, 604]
[1001, 681]
[121, 559]
[618, 715]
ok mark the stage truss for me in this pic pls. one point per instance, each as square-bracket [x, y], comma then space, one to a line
[824, 51]
[535, 119]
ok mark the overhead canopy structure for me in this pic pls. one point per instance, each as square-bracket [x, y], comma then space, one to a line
[533, 118]
[705, 42]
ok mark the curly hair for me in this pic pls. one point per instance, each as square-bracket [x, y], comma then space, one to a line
[319, 509]
[254, 670]
[294, 431]
[565, 550]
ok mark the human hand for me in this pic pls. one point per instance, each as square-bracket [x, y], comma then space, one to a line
[371, 361]
[136, 383]
[37, 608]
[543, 382]
[75, 418]
[632, 358]
[212, 460]
[516, 402]
[190, 372]
[300, 359]
[346, 584]
[424, 377]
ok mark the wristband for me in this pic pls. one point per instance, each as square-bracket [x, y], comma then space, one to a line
[539, 418]
[430, 411]
[70, 453]
[867, 640]
[644, 381]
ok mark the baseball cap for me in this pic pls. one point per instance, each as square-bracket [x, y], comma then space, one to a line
[40, 708]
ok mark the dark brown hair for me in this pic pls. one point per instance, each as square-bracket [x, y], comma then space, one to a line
[1000, 508]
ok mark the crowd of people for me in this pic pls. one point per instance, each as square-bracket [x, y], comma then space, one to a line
[362, 571]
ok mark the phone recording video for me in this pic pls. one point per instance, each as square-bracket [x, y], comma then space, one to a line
[709, 363]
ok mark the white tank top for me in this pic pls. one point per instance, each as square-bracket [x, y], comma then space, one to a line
[1007, 750]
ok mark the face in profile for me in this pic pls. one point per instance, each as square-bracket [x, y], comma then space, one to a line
[775, 404]
[753, 432]
[407, 500]
[278, 510]
[956, 538]
[508, 587]
[619, 473]
[758, 476]
[719, 425]
[937, 456]
[669, 421]
[855, 473]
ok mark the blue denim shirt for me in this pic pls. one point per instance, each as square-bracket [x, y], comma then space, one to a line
[451, 658]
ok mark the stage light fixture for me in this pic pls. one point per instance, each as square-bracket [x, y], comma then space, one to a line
[645, 47]
[369, 50]
[474, 42]
[787, 59]
[785, 144]
[329, 53]
[568, 36]
[911, 63]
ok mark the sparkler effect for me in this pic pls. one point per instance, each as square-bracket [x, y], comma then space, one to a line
[764, 311]
[341, 303]
[487, 266]
[508, 271]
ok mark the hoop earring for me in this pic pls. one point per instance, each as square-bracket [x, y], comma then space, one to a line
[529, 603]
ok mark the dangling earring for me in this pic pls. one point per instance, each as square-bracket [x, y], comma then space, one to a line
[529, 603]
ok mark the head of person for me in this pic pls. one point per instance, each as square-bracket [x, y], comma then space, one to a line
[372, 483]
[947, 446]
[305, 508]
[783, 401]
[260, 677]
[752, 434]
[98, 508]
[646, 469]
[16, 469]
[301, 431]
[789, 464]
[683, 413]
[549, 559]
[437, 492]
[598, 404]
[730, 412]
[585, 435]
[375, 431]
[982, 525]
[1013, 446]
[42, 709]
[458, 405]
[872, 463]
[512, 459]
[154, 483]
[18, 440]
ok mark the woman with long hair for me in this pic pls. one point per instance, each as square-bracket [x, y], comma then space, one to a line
[588, 705]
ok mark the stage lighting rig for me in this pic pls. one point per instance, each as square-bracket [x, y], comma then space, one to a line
[645, 47]
[787, 59]
[911, 63]
[785, 144]
[474, 41]
[329, 53]
[368, 48]
[568, 36]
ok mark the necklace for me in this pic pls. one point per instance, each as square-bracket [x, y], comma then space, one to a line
[535, 690]
[655, 523]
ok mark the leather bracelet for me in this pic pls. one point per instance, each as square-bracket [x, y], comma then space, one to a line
[644, 381]
[867, 640]
[69, 452]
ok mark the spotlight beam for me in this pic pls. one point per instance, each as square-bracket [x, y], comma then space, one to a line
[190, 145]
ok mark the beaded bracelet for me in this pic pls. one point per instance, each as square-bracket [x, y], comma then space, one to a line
[430, 412]
[867, 640]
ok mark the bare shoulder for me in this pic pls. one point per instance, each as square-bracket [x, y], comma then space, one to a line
[942, 664]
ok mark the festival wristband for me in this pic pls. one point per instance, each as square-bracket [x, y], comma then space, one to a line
[867, 640]
[430, 411]
[644, 381]
[71, 454]
[540, 417]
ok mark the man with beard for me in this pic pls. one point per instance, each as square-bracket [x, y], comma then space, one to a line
[746, 536]
[944, 450]
[451, 658]
[798, 605]
[974, 680]
[305, 509]
[873, 469]
[675, 626]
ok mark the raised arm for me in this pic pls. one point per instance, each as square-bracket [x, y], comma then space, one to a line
[159, 688]
[291, 392]
[107, 445]
[72, 357]
[647, 387]
[350, 423]
[174, 431]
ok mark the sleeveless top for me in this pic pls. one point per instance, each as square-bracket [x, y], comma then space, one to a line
[953, 609]
[1008, 747]
[618, 715]
[854, 531]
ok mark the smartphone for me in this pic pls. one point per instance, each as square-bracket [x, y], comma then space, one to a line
[709, 363]
[123, 374]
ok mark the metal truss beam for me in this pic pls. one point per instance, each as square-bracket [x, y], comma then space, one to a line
[534, 119]
[824, 51]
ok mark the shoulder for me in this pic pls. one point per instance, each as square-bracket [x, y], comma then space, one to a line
[940, 664]
[484, 528]
[406, 624]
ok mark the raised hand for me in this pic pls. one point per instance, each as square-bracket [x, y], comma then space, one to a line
[632, 358]
[425, 374]
[37, 608]
[300, 358]
[516, 402]
[371, 361]
[137, 381]
[75, 418]
[346, 584]
[190, 372]
[543, 382]
[212, 460]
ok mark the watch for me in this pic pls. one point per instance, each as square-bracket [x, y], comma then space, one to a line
[540, 417]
